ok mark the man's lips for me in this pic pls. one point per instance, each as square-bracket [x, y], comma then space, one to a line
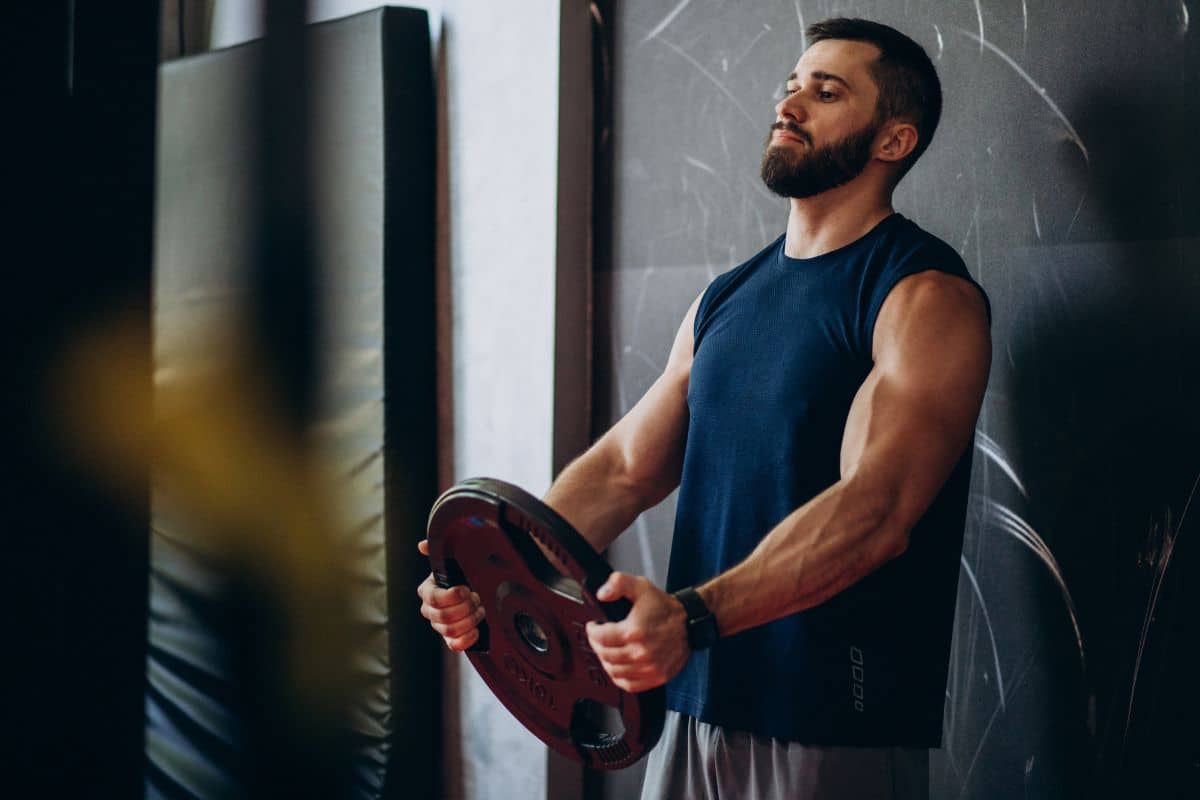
[784, 133]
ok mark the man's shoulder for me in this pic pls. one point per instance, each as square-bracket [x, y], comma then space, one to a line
[936, 289]
[923, 265]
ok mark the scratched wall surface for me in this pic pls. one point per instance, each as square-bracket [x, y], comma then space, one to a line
[1062, 174]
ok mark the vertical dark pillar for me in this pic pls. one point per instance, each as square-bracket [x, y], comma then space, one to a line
[410, 391]
[78, 260]
[283, 277]
[293, 750]
[596, 783]
[578, 70]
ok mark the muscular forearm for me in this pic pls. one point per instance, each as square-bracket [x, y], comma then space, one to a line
[597, 497]
[826, 545]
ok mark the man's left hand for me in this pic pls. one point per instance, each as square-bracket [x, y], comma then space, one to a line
[649, 646]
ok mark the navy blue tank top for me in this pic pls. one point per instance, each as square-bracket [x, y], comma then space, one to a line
[781, 347]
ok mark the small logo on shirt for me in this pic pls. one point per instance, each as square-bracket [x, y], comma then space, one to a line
[857, 672]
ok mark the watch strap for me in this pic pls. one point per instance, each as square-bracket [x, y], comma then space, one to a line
[701, 624]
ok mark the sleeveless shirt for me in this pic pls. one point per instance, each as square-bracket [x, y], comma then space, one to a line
[781, 347]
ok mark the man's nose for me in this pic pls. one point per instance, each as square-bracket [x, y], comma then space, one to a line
[791, 107]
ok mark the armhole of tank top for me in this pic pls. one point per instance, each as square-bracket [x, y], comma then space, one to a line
[711, 294]
[701, 314]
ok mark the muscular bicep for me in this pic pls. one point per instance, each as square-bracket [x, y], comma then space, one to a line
[650, 438]
[915, 414]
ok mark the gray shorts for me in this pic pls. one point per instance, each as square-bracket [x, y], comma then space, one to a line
[697, 761]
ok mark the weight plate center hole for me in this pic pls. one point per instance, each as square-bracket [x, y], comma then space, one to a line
[531, 633]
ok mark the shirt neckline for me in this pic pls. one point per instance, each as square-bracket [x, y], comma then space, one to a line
[789, 262]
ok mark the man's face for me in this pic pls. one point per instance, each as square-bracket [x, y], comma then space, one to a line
[825, 126]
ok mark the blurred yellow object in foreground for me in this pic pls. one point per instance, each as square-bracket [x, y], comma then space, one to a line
[252, 491]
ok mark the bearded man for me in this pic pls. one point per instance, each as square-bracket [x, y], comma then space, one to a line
[816, 413]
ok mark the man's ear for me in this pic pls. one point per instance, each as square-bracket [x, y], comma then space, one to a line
[896, 140]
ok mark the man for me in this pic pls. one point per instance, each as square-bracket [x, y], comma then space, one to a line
[816, 412]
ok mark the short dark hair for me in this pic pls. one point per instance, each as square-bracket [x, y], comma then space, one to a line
[908, 84]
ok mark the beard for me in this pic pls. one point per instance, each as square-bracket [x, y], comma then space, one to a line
[799, 175]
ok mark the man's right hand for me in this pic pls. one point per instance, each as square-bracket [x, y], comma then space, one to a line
[454, 613]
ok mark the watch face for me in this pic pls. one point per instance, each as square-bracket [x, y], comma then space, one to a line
[701, 624]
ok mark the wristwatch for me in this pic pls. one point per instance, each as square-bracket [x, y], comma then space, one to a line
[701, 624]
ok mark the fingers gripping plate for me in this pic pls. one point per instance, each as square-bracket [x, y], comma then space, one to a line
[533, 650]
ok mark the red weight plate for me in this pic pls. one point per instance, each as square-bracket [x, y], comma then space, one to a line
[533, 651]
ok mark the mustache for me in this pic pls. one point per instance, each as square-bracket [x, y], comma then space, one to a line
[791, 128]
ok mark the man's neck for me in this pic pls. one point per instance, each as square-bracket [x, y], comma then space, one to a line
[833, 219]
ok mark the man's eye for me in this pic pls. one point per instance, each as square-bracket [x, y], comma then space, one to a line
[785, 90]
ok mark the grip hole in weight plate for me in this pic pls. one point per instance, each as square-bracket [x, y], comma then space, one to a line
[595, 724]
[543, 568]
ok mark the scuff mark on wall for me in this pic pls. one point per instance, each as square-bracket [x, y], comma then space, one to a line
[666, 21]
[988, 446]
[712, 78]
[987, 618]
[1024, 26]
[979, 16]
[1162, 547]
[1012, 523]
[1072, 134]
